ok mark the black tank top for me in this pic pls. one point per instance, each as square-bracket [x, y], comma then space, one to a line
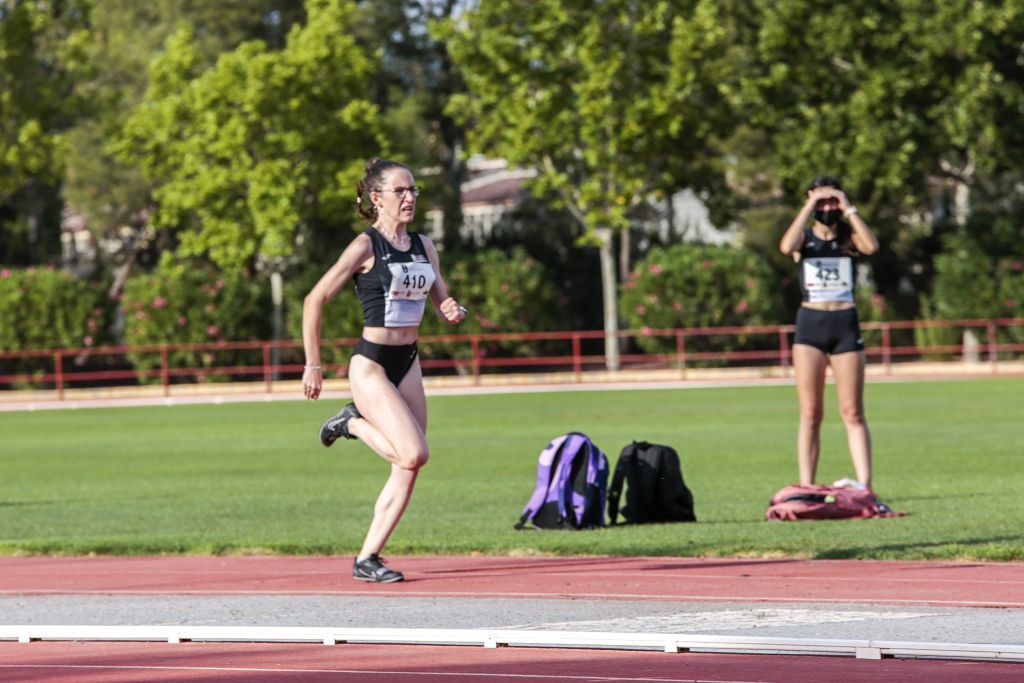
[826, 271]
[394, 291]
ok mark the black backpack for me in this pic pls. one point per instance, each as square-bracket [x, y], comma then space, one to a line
[655, 491]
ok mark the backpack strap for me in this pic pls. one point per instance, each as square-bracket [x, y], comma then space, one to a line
[544, 480]
[567, 498]
[597, 479]
[648, 494]
[615, 490]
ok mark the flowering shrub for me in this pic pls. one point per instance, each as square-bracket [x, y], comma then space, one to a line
[46, 308]
[177, 305]
[505, 291]
[698, 285]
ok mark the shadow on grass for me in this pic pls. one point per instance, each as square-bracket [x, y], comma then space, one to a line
[27, 503]
[944, 496]
[905, 548]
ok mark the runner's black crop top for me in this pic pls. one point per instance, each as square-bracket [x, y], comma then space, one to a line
[826, 271]
[394, 291]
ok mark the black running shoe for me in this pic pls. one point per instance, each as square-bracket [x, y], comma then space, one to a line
[373, 569]
[337, 426]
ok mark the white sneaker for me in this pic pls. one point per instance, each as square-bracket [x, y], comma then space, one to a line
[846, 482]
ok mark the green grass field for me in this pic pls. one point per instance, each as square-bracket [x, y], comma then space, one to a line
[252, 478]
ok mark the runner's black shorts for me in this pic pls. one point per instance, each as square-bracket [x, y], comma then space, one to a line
[396, 360]
[832, 332]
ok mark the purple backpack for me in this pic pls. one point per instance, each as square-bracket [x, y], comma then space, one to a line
[572, 480]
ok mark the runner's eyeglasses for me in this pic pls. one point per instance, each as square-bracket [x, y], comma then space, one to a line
[401, 191]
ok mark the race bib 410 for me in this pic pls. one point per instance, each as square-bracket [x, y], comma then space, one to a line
[411, 281]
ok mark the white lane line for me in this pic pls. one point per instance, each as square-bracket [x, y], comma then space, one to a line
[366, 672]
[923, 602]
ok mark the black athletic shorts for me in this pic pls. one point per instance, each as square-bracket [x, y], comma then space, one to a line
[832, 332]
[396, 360]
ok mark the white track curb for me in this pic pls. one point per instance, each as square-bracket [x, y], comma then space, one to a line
[861, 649]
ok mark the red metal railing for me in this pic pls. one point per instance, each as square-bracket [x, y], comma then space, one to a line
[475, 354]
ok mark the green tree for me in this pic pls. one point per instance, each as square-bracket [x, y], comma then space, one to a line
[256, 154]
[614, 103]
[40, 52]
[110, 192]
[414, 81]
[914, 104]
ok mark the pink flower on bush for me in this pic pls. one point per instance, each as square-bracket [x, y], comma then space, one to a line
[1017, 265]
[219, 284]
[212, 330]
[652, 299]
[750, 283]
[646, 331]
[504, 286]
[210, 308]
[159, 302]
[5, 273]
[629, 285]
[87, 341]
[741, 307]
[707, 263]
[140, 315]
[677, 307]
[487, 324]
[655, 269]
[91, 324]
[878, 301]
[1010, 303]
[182, 321]
[641, 309]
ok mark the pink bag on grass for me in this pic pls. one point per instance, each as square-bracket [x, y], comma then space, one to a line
[800, 501]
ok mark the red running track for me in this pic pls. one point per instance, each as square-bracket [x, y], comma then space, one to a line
[138, 662]
[956, 584]
[917, 583]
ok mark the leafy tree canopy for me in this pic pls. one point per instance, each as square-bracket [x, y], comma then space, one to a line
[610, 101]
[257, 152]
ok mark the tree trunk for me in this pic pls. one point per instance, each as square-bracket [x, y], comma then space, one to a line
[277, 299]
[610, 297]
[961, 203]
[624, 247]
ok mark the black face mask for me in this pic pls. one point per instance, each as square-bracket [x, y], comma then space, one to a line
[830, 217]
